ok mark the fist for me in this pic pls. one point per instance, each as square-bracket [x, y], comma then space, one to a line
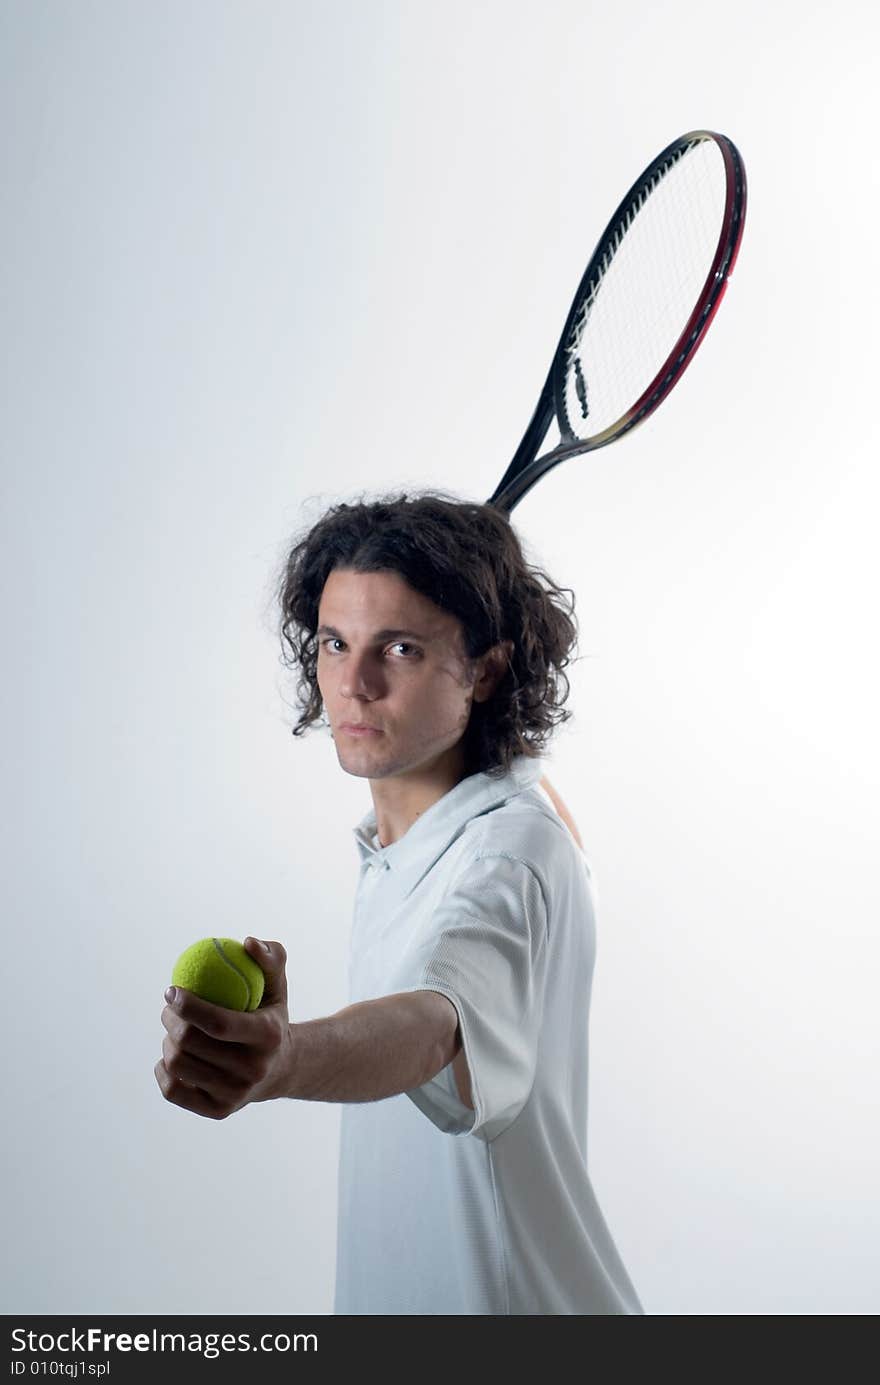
[214, 1060]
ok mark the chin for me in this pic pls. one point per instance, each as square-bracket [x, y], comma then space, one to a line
[379, 768]
[359, 765]
[356, 773]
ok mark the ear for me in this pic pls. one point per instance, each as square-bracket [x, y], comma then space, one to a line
[492, 667]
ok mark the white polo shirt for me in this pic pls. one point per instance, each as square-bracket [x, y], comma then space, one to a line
[442, 1209]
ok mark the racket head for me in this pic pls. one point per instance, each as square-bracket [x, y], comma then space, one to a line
[647, 296]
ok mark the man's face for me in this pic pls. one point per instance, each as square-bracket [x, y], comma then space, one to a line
[390, 658]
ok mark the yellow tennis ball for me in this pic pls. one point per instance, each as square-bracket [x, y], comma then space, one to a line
[220, 970]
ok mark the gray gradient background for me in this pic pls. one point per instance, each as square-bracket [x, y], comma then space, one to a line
[256, 257]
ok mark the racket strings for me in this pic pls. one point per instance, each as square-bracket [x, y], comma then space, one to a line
[649, 277]
[623, 226]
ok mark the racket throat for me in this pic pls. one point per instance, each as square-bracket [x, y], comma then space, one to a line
[527, 450]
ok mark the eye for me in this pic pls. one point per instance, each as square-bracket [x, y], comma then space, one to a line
[413, 651]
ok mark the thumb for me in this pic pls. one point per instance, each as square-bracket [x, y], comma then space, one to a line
[271, 958]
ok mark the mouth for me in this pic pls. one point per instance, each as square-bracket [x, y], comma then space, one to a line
[354, 728]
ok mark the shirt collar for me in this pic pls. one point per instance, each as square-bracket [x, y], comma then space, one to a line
[413, 855]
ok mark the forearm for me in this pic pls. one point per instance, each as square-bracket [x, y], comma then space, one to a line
[371, 1050]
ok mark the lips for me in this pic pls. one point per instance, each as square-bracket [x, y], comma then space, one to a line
[361, 726]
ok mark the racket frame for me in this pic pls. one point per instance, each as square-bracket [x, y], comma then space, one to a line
[527, 468]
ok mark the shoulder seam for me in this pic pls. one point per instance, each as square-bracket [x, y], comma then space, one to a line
[489, 855]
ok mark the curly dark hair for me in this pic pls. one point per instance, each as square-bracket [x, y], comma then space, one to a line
[467, 559]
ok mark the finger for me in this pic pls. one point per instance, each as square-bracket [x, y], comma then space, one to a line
[188, 1068]
[230, 1026]
[190, 1098]
[190, 1037]
[271, 958]
[218, 1079]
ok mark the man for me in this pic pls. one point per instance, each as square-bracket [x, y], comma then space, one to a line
[436, 653]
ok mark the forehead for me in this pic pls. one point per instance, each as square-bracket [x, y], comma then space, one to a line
[368, 601]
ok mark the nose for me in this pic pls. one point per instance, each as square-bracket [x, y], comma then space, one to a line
[360, 677]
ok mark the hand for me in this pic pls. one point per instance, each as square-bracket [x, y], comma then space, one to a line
[214, 1060]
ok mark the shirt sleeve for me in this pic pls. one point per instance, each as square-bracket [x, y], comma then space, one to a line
[488, 955]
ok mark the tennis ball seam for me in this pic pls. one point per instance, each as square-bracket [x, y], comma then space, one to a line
[229, 962]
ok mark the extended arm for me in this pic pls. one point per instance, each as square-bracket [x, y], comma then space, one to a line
[371, 1050]
[215, 1061]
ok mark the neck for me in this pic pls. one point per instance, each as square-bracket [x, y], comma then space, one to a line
[400, 799]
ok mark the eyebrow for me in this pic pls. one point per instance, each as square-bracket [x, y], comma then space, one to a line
[379, 636]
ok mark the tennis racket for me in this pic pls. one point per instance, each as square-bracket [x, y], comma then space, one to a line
[642, 308]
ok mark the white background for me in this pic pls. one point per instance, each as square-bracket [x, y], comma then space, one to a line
[257, 257]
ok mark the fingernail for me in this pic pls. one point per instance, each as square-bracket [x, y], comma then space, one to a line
[170, 993]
